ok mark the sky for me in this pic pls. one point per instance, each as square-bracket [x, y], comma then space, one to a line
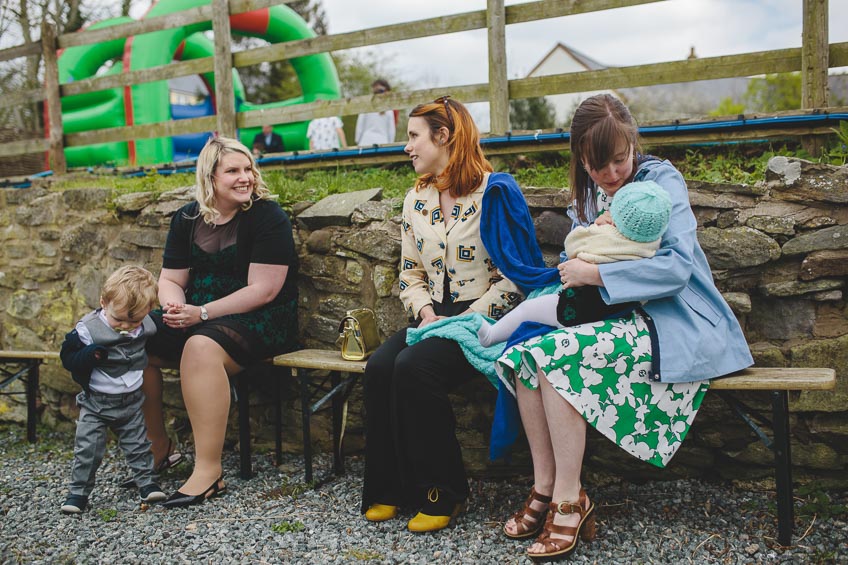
[649, 33]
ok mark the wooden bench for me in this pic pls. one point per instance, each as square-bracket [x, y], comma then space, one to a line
[778, 381]
[342, 376]
[26, 364]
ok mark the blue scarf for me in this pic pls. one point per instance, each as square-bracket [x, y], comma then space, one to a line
[509, 235]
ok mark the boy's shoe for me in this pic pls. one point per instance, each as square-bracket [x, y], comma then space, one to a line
[74, 504]
[152, 493]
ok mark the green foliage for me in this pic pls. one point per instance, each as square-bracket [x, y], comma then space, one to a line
[728, 107]
[543, 176]
[107, 514]
[286, 527]
[292, 489]
[818, 503]
[774, 93]
[838, 153]
[532, 114]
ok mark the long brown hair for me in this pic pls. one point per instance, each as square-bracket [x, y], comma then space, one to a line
[599, 125]
[466, 163]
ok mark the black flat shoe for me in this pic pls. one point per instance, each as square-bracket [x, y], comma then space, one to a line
[180, 500]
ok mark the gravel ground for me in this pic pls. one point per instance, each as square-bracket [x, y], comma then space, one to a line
[273, 518]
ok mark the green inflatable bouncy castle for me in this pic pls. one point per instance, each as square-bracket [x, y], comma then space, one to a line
[149, 102]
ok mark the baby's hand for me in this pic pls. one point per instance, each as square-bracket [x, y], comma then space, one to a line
[174, 307]
[604, 219]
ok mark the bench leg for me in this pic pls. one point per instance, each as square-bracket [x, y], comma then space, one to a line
[278, 422]
[31, 393]
[338, 407]
[782, 467]
[306, 413]
[242, 393]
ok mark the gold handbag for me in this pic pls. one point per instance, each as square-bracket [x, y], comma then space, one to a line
[358, 334]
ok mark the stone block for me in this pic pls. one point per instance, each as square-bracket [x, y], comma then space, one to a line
[83, 242]
[551, 228]
[831, 320]
[134, 201]
[149, 238]
[83, 199]
[322, 266]
[797, 180]
[159, 214]
[780, 319]
[739, 302]
[782, 225]
[737, 247]
[835, 237]
[384, 279]
[831, 353]
[726, 201]
[374, 211]
[546, 198]
[337, 209]
[320, 242]
[24, 305]
[830, 263]
[797, 288]
[378, 244]
[354, 272]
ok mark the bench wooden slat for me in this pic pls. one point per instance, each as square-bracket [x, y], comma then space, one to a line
[325, 359]
[777, 378]
[11, 354]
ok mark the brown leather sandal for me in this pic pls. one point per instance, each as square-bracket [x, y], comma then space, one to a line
[528, 520]
[558, 548]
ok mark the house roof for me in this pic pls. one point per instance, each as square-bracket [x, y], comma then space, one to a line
[584, 60]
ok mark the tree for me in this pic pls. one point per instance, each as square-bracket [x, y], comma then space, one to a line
[774, 93]
[728, 107]
[532, 114]
[20, 23]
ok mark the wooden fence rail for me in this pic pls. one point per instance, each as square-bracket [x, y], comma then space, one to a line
[813, 59]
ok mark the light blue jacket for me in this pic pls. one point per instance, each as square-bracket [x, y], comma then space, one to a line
[696, 334]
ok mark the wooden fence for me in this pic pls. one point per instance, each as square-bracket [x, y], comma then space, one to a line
[812, 59]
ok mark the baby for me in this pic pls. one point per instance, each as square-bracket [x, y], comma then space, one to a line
[631, 229]
[105, 355]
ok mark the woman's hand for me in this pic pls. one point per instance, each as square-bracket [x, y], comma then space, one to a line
[577, 272]
[428, 316]
[179, 315]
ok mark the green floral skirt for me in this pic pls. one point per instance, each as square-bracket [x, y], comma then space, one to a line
[602, 369]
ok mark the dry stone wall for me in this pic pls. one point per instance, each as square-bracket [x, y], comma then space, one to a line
[778, 249]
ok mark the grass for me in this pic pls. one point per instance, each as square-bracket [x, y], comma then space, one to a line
[286, 527]
[738, 164]
[107, 514]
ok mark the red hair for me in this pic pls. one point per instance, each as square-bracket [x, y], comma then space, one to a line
[467, 166]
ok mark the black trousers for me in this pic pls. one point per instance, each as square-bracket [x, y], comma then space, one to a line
[411, 440]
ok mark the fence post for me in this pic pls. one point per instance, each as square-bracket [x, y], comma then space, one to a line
[224, 96]
[814, 65]
[56, 150]
[498, 83]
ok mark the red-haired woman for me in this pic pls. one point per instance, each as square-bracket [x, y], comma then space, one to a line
[467, 246]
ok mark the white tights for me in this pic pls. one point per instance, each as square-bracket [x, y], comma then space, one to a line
[540, 309]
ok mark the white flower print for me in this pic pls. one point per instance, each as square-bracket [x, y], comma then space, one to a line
[590, 376]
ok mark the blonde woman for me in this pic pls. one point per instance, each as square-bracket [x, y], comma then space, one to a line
[229, 297]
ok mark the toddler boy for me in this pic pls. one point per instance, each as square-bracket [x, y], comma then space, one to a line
[105, 355]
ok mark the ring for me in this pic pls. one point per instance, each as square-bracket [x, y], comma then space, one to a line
[181, 322]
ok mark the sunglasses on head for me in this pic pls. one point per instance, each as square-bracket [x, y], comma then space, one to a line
[379, 90]
[444, 100]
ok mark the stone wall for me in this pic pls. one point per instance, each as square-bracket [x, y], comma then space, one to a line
[778, 249]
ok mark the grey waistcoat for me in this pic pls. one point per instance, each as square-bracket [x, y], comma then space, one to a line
[126, 353]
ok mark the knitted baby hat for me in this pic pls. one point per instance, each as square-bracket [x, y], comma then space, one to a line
[641, 211]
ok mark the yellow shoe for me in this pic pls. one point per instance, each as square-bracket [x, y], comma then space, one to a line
[380, 512]
[427, 523]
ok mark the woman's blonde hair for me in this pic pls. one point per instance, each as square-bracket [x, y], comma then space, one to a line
[132, 288]
[207, 163]
[466, 163]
